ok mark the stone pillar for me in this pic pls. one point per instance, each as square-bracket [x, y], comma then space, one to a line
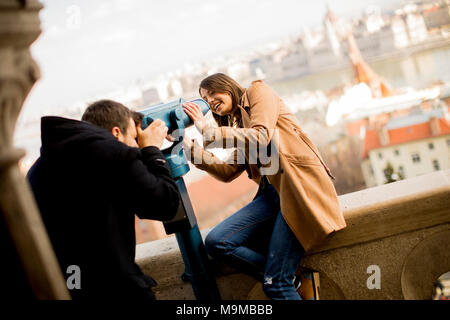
[19, 27]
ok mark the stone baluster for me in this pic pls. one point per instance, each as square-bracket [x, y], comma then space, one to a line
[19, 27]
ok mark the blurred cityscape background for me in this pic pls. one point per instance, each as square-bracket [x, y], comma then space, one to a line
[371, 88]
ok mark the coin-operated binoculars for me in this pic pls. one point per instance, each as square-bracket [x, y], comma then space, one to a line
[197, 266]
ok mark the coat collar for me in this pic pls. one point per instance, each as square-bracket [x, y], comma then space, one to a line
[244, 108]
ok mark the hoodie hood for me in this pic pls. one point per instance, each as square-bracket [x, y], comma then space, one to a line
[61, 136]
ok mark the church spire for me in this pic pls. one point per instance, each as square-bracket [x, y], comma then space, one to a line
[364, 73]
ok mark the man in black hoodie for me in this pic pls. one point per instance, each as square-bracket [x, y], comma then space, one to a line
[91, 179]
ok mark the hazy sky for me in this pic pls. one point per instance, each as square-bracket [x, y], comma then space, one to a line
[89, 47]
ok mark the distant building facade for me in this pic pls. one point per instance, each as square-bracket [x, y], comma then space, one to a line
[437, 17]
[413, 145]
[150, 96]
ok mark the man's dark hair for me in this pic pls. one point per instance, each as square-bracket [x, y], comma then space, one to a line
[108, 114]
[137, 117]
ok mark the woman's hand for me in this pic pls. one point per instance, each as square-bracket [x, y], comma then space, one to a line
[195, 113]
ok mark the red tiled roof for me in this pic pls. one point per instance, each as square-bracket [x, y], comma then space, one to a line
[435, 8]
[371, 141]
[402, 135]
[210, 195]
[353, 128]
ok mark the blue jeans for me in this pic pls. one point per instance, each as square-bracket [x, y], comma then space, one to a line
[256, 240]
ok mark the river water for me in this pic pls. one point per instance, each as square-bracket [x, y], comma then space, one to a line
[418, 70]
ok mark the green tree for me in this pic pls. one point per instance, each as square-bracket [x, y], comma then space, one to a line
[390, 175]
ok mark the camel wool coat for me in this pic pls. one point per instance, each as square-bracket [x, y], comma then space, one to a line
[308, 199]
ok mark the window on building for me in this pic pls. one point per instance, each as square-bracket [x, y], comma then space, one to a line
[436, 165]
[431, 146]
[380, 155]
[401, 172]
[415, 158]
[371, 170]
[448, 142]
[396, 152]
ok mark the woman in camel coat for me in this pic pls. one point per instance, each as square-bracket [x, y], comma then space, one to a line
[296, 206]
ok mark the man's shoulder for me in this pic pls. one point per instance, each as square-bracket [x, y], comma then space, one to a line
[113, 150]
[33, 170]
[82, 144]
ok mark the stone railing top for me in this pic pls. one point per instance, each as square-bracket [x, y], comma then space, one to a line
[394, 208]
[398, 192]
[371, 214]
[163, 246]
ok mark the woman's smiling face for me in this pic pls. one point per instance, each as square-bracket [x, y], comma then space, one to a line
[220, 103]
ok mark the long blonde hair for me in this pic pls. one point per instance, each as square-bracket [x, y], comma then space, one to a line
[222, 83]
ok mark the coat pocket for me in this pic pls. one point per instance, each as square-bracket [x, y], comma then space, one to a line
[308, 142]
[302, 160]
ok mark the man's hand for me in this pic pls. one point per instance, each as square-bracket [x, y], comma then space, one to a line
[153, 135]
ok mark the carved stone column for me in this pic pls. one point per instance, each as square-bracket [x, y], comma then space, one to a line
[19, 27]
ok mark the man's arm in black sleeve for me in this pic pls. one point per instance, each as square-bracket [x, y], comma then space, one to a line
[155, 194]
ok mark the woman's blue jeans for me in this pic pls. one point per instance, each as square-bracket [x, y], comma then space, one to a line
[256, 240]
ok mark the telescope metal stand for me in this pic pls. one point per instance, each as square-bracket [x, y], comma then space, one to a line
[198, 269]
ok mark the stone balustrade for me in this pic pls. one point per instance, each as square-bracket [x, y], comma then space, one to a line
[27, 239]
[400, 231]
